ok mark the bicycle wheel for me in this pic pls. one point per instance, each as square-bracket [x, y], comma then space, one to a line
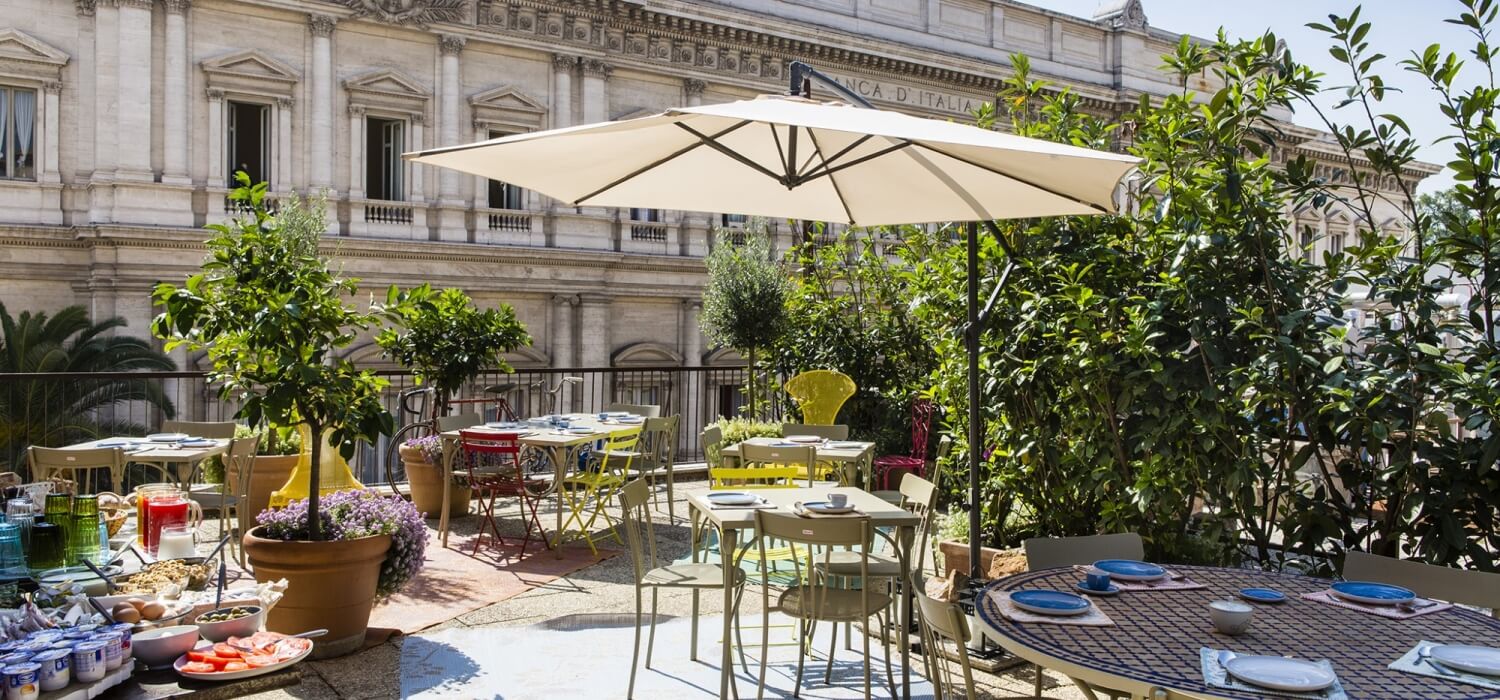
[395, 469]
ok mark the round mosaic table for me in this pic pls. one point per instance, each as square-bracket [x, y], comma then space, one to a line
[1152, 649]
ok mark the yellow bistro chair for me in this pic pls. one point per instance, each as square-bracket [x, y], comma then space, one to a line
[820, 394]
[597, 487]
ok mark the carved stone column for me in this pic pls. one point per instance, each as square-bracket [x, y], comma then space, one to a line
[133, 123]
[356, 145]
[417, 192]
[450, 46]
[562, 330]
[595, 97]
[174, 113]
[51, 92]
[217, 172]
[283, 181]
[693, 89]
[562, 90]
[106, 92]
[594, 341]
[692, 335]
[320, 107]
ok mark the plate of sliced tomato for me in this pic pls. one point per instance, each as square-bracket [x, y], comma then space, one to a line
[229, 660]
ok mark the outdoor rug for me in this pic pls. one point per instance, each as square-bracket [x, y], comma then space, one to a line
[454, 583]
[534, 662]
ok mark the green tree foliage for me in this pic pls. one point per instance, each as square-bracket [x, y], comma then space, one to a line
[849, 304]
[744, 302]
[50, 412]
[272, 317]
[446, 340]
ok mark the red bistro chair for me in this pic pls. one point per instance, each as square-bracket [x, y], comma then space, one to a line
[916, 460]
[502, 453]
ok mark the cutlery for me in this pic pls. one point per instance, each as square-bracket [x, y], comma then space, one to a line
[1416, 604]
[109, 586]
[1425, 654]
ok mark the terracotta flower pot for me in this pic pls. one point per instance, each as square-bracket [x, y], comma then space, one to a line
[329, 585]
[268, 474]
[956, 558]
[426, 483]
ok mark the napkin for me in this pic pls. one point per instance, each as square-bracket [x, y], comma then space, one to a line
[1214, 676]
[1393, 612]
[1008, 610]
[1412, 662]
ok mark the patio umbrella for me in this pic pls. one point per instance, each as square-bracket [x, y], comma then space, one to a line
[791, 157]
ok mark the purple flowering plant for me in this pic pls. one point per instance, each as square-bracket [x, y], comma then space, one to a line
[349, 515]
[431, 447]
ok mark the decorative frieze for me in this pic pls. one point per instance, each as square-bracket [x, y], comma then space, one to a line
[136, 4]
[417, 12]
[451, 44]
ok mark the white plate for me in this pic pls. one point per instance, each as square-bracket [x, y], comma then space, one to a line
[234, 675]
[826, 507]
[1484, 661]
[166, 437]
[199, 441]
[732, 498]
[804, 439]
[1277, 673]
[619, 414]
[845, 445]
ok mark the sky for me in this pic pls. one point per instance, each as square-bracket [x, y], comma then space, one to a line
[1398, 27]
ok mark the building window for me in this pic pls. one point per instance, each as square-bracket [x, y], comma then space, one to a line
[1336, 243]
[504, 195]
[734, 220]
[652, 215]
[249, 141]
[385, 139]
[17, 134]
[1308, 237]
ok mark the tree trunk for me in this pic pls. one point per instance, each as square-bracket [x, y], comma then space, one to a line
[315, 480]
[754, 413]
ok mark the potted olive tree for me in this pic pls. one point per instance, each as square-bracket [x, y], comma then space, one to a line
[447, 342]
[271, 315]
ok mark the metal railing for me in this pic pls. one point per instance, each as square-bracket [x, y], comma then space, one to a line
[64, 408]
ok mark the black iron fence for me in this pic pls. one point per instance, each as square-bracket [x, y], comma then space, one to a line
[63, 408]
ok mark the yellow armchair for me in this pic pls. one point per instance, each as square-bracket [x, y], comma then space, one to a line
[820, 394]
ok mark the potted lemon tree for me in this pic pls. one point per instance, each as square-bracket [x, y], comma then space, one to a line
[447, 342]
[271, 315]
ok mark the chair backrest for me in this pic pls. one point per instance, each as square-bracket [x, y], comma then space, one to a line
[506, 446]
[635, 518]
[827, 432]
[49, 459]
[660, 436]
[921, 427]
[217, 430]
[919, 496]
[1479, 588]
[1051, 552]
[619, 450]
[798, 460]
[944, 448]
[944, 621]
[820, 394]
[462, 420]
[240, 455]
[712, 439]
[641, 409]
[720, 478]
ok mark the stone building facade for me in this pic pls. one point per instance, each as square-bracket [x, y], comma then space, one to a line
[123, 120]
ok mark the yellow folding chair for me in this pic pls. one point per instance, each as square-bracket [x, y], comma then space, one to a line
[588, 492]
[820, 394]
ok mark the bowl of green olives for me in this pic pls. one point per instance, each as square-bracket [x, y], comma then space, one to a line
[237, 621]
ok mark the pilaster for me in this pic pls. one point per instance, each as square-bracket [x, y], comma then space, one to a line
[133, 112]
[562, 89]
[692, 90]
[320, 108]
[175, 118]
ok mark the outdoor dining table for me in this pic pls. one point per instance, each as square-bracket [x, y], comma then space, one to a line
[560, 446]
[169, 454]
[731, 521]
[861, 458]
[1152, 650]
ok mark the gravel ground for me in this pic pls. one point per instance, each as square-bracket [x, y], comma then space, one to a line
[374, 673]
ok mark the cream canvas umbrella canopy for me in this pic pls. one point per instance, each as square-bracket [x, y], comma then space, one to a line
[790, 157]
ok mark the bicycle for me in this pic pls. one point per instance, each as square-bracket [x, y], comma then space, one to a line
[426, 423]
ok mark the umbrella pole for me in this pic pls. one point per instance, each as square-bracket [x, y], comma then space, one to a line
[976, 418]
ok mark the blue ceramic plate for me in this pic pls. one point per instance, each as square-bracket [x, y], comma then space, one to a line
[1130, 570]
[1081, 588]
[1371, 593]
[1262, 595]
[1050, 602]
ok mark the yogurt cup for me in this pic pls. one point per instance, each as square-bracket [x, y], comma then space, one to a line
[34, 648]
[88, 661]
[13, 658]
[124, 630]
[45, 636]
[114, 651]
[82, 631]
[56, 669]
[21, 681]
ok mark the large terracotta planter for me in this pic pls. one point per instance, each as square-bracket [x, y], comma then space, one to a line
[956, 557]
[426, 483]
[329, 585]
[267, 474]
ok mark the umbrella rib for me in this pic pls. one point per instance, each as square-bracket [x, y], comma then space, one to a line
[656, 163]
[711, 142]
[817, 149]
[780, 152]
[829, 171]
[1011, 176]
[825, 161]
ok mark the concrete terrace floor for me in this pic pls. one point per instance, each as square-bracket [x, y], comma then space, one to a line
[605, 587]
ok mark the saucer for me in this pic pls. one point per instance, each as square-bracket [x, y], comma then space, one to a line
[1112, 590]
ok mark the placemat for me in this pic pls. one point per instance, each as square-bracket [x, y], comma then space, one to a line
[1412, 662]
[1001, 603]
[1215, 676]
[1172, 582]
[1392, 612]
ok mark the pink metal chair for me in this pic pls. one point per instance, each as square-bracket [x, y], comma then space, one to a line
[916, 460]
[502, 452]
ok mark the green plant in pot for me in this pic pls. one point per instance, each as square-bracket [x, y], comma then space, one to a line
[271, 315]
[447, 342]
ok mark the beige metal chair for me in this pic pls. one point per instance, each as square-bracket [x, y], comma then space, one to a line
[943, 622]
[919, 496]
[827, 432]
[635, 520]
[241, 457]
[644, 410]
[52, 463]
[756, 459]
[712, 440]
[814, 599]
[216, 430]
[658, 457]
[458, 422]
[1477, 588]
[1052, 552]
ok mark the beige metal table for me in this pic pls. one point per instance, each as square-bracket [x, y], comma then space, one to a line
[731, 521]
[1152, 650]
[166, 454]
[560, 446]
[861, 458]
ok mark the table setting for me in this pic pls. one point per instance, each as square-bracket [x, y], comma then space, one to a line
[1385, 600]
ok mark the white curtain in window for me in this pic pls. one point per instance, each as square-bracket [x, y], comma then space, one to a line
[25, 120]
[4, 117]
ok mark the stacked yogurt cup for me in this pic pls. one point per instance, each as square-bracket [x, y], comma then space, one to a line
[51, 659]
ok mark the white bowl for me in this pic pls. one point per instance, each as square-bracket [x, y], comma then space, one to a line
[162, 646]
[238, 627]
[1230, 616]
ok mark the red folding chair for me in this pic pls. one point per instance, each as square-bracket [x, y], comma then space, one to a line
[916, 460]
[493, 461]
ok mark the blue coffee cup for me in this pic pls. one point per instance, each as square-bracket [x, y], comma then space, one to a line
[1096, 580]
[603, 416]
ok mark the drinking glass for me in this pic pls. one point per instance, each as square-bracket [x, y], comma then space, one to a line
[83, 536]
[47, 546]
[144, 493]
[12, 558]
[22, 512]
